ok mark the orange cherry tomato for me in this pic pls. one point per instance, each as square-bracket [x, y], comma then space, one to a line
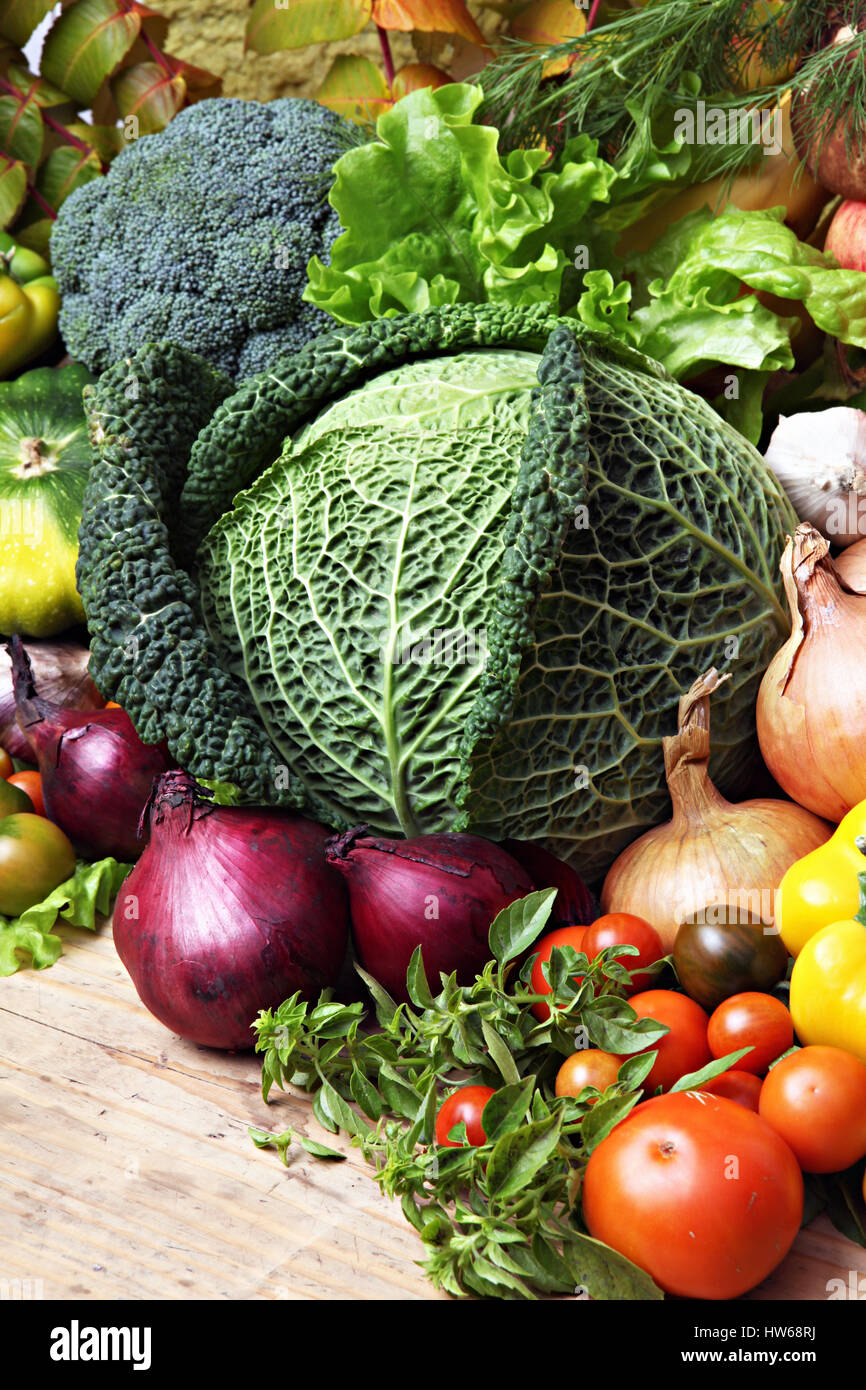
[112, 704]
[685, 1048]
[591, 1067]
[740, 1086]
[7, 767]
[31, 783]
[563, 936]
[759, 1021]
[626, 929]
[816, 1100]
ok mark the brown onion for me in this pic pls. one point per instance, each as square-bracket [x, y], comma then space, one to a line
[713, 850]
[810, 720]
[60, 673]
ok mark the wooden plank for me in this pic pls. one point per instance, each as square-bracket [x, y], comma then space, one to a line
[126, 1170]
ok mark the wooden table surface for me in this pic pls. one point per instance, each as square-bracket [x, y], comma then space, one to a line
[126, 1170]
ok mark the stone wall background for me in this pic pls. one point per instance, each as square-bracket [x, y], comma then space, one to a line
[210, 33]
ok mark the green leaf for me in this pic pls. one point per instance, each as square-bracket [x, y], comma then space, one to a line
[64, 170]
[272, 26]
[499, 1053]
[400, 1096]
[13, 190]
[339, 1112]
[603, 1273]
[21, 130]
[386, 1008]
[365, 1095]
[149, 93]
[506, 1109]
[281, 1142]
[845, 1206]
[790, 1052]
[318, 1150]
[603, 1117]
[518, 1155]
[416, 982]
[519, 925]
[613, 1031]
[88, 894]
[693, 1080]
[85, 45]
[635, 1069]
[19, 18]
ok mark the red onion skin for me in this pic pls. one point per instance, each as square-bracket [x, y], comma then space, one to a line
[573, 905]
[397, 886]
[230, 910]
[60, 673]
[96, 773]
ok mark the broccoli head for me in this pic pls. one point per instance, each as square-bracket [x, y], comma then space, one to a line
[201, 235]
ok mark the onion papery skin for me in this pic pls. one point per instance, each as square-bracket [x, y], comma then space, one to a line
[712, 851]
[812, 700]
[60, 673]
[230, 909]
[574, 904]
[439, 892]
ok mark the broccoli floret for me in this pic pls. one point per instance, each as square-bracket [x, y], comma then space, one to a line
[201, 235]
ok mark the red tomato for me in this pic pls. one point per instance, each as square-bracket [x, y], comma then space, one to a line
[31, 783]
[563, 936]
[759, 1021]
[698, 1191]
[7, 767]
[740, 1086]
[685, 1048]
[625, 929]
[467, 1105]
[591, 1067]
[816, 1100]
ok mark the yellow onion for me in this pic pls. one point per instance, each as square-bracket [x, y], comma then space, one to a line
[712, 851]
[851, 564]
[810, 722]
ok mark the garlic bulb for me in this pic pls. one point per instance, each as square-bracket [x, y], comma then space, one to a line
[819, 457]
[712, 851]
[809, 716]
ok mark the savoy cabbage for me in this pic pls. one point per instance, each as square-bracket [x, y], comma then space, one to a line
[479, 557]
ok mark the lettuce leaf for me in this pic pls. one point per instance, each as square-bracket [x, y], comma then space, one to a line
[434, 216]
[90, 892]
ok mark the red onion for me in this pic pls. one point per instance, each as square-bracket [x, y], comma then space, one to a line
[229, 910]
[96, 772]
[573, 905]
[439, 892]
[60, 672]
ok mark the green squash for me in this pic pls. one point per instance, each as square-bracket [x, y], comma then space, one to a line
[44, 463]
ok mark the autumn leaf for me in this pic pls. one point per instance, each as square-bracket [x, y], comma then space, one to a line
[356, 89]
[548, 22]
[428, 17]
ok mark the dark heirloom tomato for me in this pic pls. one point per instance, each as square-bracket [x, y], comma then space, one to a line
[35, 858]
[698, 1191]
[727, 954]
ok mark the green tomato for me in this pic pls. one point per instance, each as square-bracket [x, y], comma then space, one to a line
[35, 858]
[13, 799]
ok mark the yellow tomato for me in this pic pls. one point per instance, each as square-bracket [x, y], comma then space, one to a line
[823, 887]
[828, 988]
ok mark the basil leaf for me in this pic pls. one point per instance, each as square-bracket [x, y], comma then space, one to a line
[499, 1053]
[517, 1156]
[416, 982]
[693, 1080]
[318, 1150]
[603, 1117]
[506, 1109]
[520, 924]
[603, 1273]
